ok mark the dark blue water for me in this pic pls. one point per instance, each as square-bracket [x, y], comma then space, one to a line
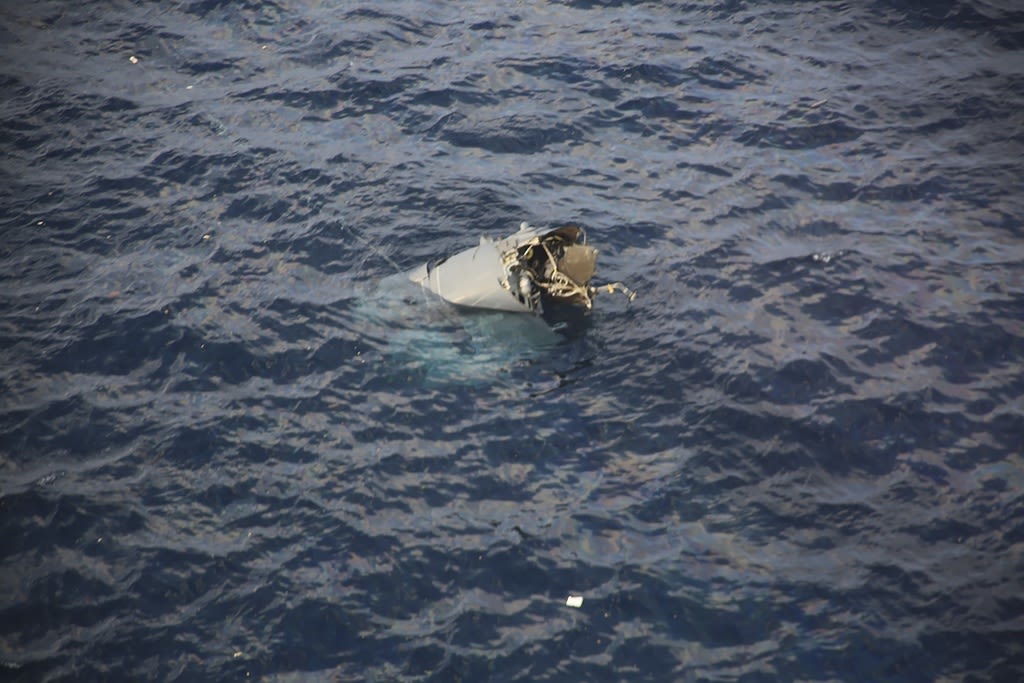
[228, 452]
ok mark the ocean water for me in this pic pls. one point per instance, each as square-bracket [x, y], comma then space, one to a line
[232, 448]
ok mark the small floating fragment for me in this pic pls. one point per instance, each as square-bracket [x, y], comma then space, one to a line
[574, 601]
[133, 59]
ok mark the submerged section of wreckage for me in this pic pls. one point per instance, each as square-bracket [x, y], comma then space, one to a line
[523, 273]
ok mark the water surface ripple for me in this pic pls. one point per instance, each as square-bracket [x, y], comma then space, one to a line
[231, 447]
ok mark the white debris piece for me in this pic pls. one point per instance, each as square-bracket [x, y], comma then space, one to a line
[133, 59]
[574, 601]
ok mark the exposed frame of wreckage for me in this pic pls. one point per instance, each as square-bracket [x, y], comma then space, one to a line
[521, 273]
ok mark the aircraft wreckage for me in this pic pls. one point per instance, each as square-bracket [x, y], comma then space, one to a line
[528, 272]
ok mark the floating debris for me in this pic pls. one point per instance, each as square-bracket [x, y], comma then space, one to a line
[521, 273]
